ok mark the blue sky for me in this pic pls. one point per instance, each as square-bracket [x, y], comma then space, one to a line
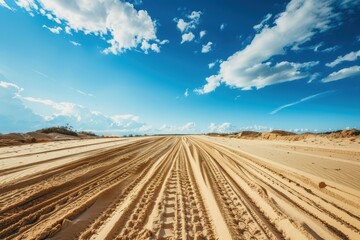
[179, 66]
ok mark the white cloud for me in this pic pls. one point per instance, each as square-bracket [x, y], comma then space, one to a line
[211, 65]
[55, 30]
[256, 127]
[186, 27]
[29, 5]
[124, 120]
[202, 33]
[118, 22]
[75, 43]
[254, 67]
[222, 26]
[5, 5]
[341, 74]
[24, 113]
[182, 25]
[260, 75]
[10, 85]
[195, 15]
[188, 127]
[84, 93]
[40, 73]
[352, 56]
[262, 24]
[61, 108]
[68, 30]
[225, 127]
[212, 83]
[163, 42]
[206, 48]
[187, 37]
[331, 49]
[300, 101]
[186, 93]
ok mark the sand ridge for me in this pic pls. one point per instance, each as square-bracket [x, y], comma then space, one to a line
[174, 187]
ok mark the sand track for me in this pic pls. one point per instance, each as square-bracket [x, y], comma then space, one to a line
[167, 188]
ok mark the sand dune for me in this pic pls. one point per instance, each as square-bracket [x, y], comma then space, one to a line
[184, 187]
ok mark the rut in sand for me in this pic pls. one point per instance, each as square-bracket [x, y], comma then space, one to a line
[167, 188]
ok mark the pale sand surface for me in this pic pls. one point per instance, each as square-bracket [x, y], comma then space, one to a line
[187, 187]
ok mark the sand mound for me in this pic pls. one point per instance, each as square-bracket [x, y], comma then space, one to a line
[290, 136]
[248, 134]
[34, 137]
[344, 133]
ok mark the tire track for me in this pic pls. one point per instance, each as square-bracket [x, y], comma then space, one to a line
[170, 187]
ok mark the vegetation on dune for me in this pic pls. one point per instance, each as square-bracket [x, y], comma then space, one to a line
[66, 130]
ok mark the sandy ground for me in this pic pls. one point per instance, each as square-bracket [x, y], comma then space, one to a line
[189, 187]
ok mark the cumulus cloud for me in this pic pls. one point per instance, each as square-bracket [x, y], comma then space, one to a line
[260, 75]
[55, 30]
[212, 83]
[300, 101]
[352, 56]
[211, 65]
[207, 47]
[202, 33]
[256, 127]
[341, 74]
[182, 25]
[187, 37]
[118, 22]
[5, 5]
[225, 127]
[262, 24]
[254, 65]
[188, 127]
[193, 21]
[186, 27]
[145, 46]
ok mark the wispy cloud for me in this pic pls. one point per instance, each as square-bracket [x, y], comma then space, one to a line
[75, 43]
[301, 101]
[84, 93]
[342, 73]
[262, 24]
[222, 26]
[40, 73]
[352, 56]
[186, 93]
[55, 30]
[5, 5]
